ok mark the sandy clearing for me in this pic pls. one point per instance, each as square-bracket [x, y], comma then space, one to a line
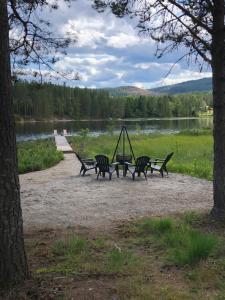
[60, 197]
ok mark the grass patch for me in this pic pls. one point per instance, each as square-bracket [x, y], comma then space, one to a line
[79, 255]
[156, 225]
[190, 217]
[151, 258]
[193, 151]
[120, 261]
[189, 247]
[72, 246]
[37, 155]
[185, 246]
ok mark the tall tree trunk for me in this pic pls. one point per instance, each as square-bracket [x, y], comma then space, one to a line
[218, 69]
[13, 263]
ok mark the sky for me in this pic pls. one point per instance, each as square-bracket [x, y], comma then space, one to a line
[109, 51]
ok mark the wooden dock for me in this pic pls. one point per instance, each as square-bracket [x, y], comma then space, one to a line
[62, 144]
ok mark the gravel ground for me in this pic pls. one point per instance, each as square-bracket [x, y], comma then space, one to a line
[60, 197]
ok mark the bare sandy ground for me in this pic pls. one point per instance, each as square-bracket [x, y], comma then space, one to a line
[60, 197]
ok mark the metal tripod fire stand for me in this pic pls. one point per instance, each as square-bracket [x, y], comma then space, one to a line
[123, 157]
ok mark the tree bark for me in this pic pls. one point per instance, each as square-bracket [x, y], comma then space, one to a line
[13, 263]
[218, 70]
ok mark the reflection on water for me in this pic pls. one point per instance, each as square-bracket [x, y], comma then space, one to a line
[28, 131]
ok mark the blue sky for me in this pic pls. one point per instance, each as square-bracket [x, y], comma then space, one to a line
[109, 51]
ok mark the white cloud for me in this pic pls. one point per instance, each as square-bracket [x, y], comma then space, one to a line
[85, 61]
[122, 40]
[139, 85]
[155, 65]
[109, 51]
[87, 32]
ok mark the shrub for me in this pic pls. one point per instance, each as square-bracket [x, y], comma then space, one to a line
[192, 247]
[37, 155]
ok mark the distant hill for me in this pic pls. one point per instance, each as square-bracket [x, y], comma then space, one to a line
[192, 86]
[127, 90]
[187, 87]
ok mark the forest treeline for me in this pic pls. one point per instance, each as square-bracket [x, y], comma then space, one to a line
[49, 101]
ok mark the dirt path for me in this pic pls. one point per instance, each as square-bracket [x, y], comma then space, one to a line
[60, 197]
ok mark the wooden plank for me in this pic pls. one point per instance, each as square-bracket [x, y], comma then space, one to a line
[62, 144]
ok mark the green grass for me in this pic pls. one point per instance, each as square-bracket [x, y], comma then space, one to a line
[120, 261]
[190, 247]
[72, 246]
[156, 225]
[193, 151]
[185, 245]
[78, 255]
[176, 257]
[37, 155]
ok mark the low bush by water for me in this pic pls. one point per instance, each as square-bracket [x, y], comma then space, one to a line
[37, 155]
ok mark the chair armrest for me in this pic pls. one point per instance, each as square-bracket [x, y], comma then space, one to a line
[129, 164]
[159, 159]
[115, 163]
[87, 159]
[88, 163]
[154, 162]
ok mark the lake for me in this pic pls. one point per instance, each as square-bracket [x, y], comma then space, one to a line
[36, 130]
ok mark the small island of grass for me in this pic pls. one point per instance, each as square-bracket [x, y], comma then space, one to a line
[37, 155]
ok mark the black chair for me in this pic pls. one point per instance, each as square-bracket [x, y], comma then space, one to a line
[103, 165]
[141, 165]
[86, 164]
[160, 164]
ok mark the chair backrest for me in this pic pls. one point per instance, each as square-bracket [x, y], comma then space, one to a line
[121, 159]
[168, 157]
[79, 158]
[102, 162]
[141, 163]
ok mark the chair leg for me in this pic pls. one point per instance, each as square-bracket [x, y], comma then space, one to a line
[126, 168]
[117, 171]
[145, 173]
[151, 170]
[81, 169]
[110, 176]
[98, 175]
[103, 174]
[96, 170]
[133, 176]
[161, 172]
[84, 172]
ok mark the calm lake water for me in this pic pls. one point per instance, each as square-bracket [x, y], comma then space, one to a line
[36, 130]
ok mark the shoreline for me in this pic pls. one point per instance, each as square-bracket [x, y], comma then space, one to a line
[117, 119]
